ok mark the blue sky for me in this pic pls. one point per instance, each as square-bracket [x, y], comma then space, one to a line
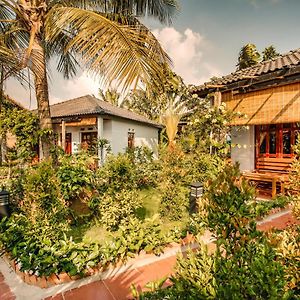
[203, 41]
[224, 26]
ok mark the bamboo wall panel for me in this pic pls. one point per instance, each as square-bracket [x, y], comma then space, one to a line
[83, 122]
[269, 106]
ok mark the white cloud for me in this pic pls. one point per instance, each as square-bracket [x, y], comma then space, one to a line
[187, 52]
[62, 90]
[59, 89]
[257, 3]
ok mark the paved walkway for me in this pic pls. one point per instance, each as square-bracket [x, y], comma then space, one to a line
[114, 284]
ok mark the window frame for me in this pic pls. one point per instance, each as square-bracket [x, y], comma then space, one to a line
[279, 131]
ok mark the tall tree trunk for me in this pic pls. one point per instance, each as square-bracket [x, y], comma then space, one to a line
[42, 97]
[1, 103]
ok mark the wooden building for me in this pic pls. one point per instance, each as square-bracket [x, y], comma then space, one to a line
[268, 97]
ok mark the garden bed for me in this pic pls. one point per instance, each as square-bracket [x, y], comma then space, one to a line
[141, 258]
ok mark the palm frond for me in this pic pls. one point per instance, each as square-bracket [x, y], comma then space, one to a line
[128, 54]
[163, 10]
[66, 61]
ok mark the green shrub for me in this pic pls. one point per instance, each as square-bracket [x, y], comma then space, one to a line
[245, 261]
[287, 245]
[135, 235]
[115, 207]
[174, 202]
[118, 173]
[74, 176]
[146, 168]
[38, 193]
[244, 265]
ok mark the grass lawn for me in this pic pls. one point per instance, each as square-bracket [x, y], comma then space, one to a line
[150, 199]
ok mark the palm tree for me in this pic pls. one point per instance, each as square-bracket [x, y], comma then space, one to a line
[269, 53]
[105, 35]
[249, 56]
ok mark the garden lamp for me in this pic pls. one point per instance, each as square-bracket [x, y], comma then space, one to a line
[196, 191]
[4, 203]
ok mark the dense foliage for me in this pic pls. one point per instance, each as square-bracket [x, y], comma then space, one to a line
[244, 264]
[24, 126]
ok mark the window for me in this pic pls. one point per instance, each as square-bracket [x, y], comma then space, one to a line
[130, 139]
[276, 140]
[89, 142]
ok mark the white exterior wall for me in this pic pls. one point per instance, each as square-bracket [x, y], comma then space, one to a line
[107, 130]
[116, 131]
[243, 147]
[145, 135]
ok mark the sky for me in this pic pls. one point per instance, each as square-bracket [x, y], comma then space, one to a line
[203, 41]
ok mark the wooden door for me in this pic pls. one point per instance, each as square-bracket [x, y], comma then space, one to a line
[68, 146]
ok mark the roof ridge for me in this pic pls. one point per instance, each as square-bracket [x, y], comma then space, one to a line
[64, 101]
[258, 65]
[124, 109]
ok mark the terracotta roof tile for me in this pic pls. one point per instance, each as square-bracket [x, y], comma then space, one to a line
[288, 60]
[89, 104]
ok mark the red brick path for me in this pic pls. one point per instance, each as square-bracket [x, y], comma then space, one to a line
[118, 287]
[5, 292]
[279, 223]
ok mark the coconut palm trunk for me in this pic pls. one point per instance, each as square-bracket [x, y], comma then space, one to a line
[42, 97]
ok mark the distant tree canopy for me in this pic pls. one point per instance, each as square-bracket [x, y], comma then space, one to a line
[249, 55]
[269, 53]
[111, 96]
[150, 103]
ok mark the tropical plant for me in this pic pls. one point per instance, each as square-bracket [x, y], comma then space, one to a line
[248, 56]
[239, 243]
[107, 36]
[243, 266]
[171, 115]
[104, 148]
[207, 128]
[269, 53]
[23, 125]
[293, 184]
[117, 174]
[75, 177]
[115, 207]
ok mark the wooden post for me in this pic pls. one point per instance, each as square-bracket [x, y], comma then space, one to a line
[274, 181]
[217, 98]
[63, 135]
[100, 136]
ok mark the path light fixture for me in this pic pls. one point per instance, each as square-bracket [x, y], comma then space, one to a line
[4, 204]
[196, 191]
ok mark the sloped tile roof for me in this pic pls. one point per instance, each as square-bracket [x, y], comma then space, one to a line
[288, 60]
[88, 104]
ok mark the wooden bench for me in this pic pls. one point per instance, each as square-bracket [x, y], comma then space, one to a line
[273, 170]
[273, 165]
[273, 178]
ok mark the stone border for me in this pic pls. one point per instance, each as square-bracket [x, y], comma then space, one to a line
[24, 291]
[45, 282]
